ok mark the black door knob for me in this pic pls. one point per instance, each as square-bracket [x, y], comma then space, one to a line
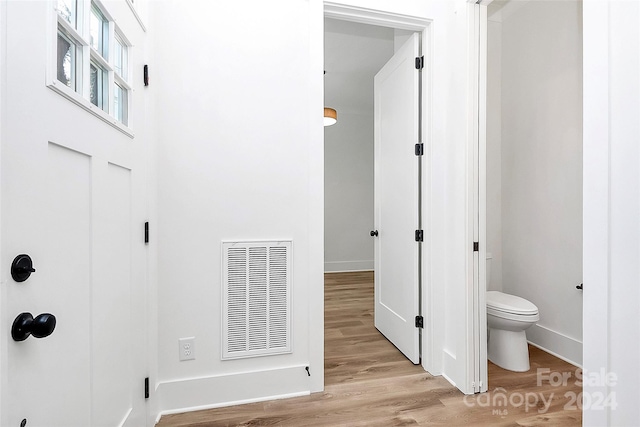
[25, 325]
[374, 233]
[21, 268]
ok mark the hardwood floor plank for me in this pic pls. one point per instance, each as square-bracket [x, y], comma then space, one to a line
[368, 382]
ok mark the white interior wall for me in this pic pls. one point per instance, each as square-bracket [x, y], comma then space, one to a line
[494, 153]
[541, 167]
[353, 55]
[239, 158]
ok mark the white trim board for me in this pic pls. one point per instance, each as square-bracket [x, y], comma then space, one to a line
[553, 342]
[239, 402]
[195, 394]
[362, 15]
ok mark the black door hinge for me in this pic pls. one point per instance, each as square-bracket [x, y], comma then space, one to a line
[419, 322]
[419, 235]
[146, 232]
[419, 149]
[146, 388]
[476, 246]
[419, 62]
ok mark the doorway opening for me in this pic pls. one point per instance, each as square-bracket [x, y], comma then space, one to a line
[354, 54]
[534, 167]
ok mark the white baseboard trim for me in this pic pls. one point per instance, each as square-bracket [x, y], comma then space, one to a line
[239, 402]
[449, 368]
[446, 377]
[347, 266]
[553, 342]
[195, 394]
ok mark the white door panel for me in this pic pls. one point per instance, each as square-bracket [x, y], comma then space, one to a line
[113, 307]
[396, 91]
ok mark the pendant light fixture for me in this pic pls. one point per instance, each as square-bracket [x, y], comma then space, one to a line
[330, 114]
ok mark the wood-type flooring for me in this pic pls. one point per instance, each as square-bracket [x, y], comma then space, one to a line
[368, 382]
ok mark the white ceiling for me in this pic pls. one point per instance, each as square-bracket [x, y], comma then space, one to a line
[353, 54]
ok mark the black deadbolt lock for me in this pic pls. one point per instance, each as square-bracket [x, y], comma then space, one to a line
[21, 268]
[25, 325]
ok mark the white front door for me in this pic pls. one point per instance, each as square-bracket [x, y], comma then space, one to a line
[72, 199]
[396, 217]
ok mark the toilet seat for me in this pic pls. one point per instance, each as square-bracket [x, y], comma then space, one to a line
[510, 306]
[527, 318]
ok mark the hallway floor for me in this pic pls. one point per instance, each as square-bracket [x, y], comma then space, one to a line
[368, 382]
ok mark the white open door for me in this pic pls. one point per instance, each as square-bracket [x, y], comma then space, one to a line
[73, 201]
[397, 96]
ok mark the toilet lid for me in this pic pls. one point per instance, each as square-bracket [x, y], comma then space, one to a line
[510, 303]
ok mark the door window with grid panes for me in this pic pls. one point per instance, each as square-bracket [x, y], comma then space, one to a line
[92, 60]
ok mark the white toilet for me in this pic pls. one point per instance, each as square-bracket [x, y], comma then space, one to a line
[508, 316]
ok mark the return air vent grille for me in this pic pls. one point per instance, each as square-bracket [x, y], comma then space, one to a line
[256, 303]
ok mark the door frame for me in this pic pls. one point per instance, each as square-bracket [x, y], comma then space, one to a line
[478, 140]
[423, 26]
[4, 333]
[478, 168]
